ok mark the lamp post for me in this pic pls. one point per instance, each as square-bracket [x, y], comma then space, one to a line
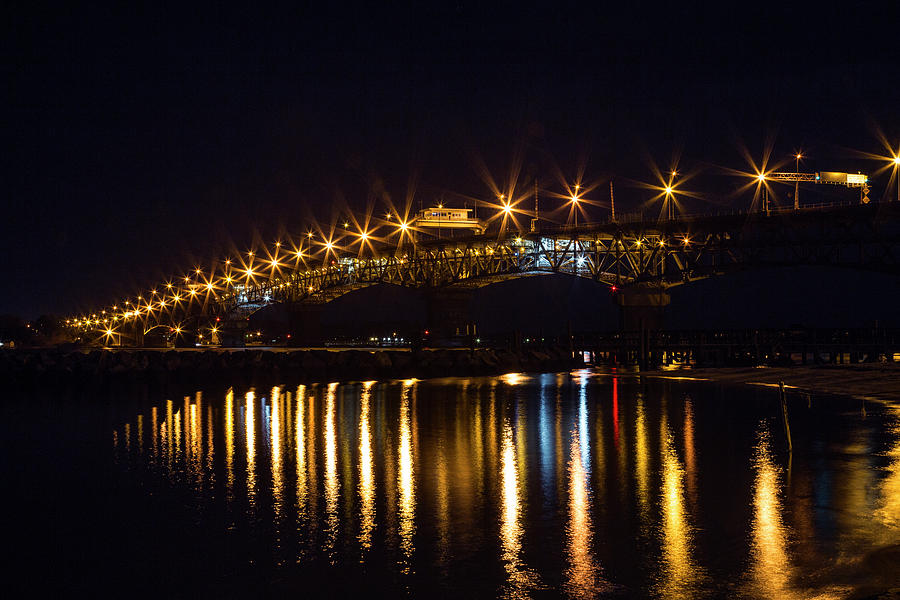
[575, 200]
[896, 162]
[797, 182]
[670, 211]
[761, 179]
[505, 208]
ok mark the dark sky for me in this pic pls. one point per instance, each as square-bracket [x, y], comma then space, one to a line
[139, 144]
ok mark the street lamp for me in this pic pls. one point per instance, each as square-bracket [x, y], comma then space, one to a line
[896, 162]
[670, 195]
[575, 200]
[761, 180]
[507, 209]
[670, 212]
[798, 156]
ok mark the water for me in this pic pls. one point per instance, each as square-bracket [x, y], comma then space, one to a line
[553, 485]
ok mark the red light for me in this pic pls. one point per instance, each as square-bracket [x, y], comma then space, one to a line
[217, 319]
[613, 288]
[289, 336]
[426, 332]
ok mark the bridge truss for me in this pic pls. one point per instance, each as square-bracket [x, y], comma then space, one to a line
[623, 256]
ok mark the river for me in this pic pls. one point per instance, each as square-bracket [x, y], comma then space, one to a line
[582, 484]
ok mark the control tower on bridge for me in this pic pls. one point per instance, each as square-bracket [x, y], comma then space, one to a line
[446, 223]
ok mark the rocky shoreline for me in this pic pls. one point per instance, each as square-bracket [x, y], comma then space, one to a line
[56, 365]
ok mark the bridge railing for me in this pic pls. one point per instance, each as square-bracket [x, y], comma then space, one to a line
[643, 217]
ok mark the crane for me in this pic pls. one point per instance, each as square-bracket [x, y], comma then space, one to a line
[850, 180]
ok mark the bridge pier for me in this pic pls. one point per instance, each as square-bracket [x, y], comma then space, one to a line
[641, 309]
[450, 313]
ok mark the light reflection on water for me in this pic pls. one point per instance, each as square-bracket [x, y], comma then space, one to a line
[550, 484]
[771, 564]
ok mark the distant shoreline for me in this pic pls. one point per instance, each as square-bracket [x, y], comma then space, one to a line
[257, 365]
[865, 381]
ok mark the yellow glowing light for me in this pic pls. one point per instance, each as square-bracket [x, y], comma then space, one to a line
[193, 292]
[197, 271]
[169, 286]
[278, 244]
[668, 190]
[897, 160]
[507, 208]
[346, 224]
[363, 235]
[329, 245]
[187, 279]
[228, 279]
[404, 226]
[761, 177]
[209, 286]
[309, 234]
[274, 263]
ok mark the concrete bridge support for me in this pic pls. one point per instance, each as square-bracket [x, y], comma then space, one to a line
[450, 313]
[642, 310]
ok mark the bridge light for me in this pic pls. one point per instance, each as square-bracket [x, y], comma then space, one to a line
[187, 279]
[897, 160]
[278, 244]
[169, 286]
[761, 177]
[329, 245]
[363, 235]
[669, 190]
[309, 234]
[404, 226]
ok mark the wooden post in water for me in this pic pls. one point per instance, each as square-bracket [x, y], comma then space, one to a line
[784, 416]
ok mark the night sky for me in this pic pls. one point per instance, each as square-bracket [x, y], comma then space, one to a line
[137, 145]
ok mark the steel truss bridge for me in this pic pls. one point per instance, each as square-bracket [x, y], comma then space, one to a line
[637, 259]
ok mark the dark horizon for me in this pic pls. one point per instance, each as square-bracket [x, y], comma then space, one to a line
[141, 144]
